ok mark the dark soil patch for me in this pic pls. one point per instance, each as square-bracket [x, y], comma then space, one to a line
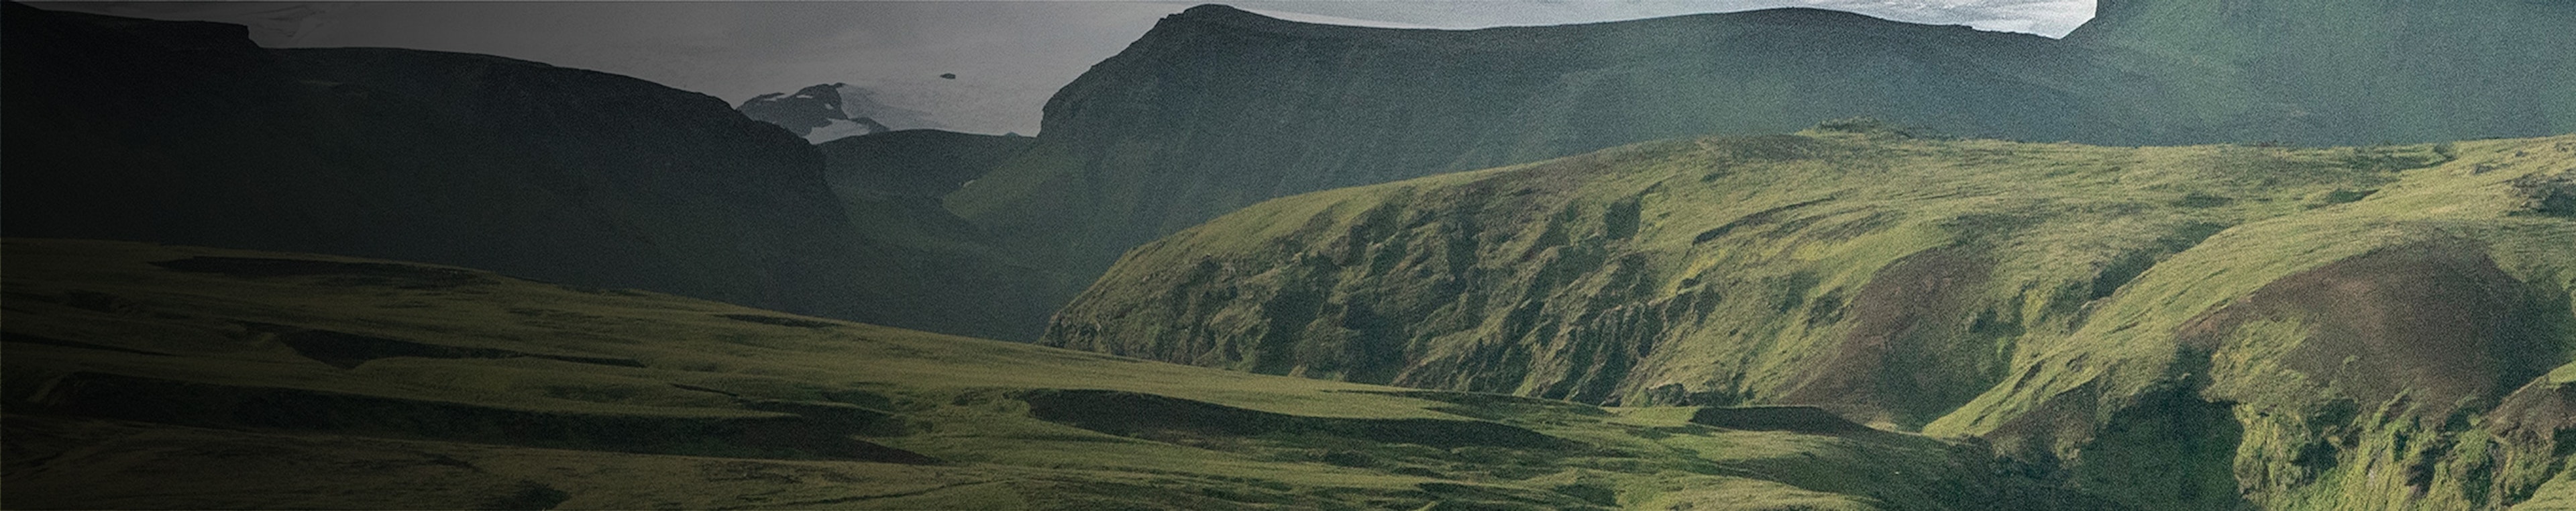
[2552, 195]
[347, 350]
[2540, 411]
[272, 408]
[1484, 405]
[15, 337]
[530, 495]
[402, 274]
[1137, 414]
[1803, 419]
[1756, 218]
[2437, 321]
[97, 301]
[1908, 356]
[780, 321]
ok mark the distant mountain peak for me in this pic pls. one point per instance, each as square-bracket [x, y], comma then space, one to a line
[1217, 10]
[831, 111]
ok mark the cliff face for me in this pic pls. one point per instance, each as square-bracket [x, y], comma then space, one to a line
[2176, 328]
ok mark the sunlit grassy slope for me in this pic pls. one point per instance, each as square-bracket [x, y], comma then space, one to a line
[145, 376]
[2172, 327]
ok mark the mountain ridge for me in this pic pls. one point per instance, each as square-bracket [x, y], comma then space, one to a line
[1175, 131]
[2064, 302]
[185, 132]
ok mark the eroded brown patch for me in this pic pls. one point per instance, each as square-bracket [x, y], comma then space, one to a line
[2437, 322]
[1902, 360]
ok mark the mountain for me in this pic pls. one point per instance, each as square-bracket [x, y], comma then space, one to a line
[1217, 108]
[828, 112]
[185, 132]
[149, 376]
[2367, 71]
[2201, 327]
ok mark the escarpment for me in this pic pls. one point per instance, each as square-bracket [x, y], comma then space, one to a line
[2200, 327]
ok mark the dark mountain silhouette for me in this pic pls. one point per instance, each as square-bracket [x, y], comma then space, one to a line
[185, 132]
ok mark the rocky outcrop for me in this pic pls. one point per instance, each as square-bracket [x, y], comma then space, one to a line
[829, 112]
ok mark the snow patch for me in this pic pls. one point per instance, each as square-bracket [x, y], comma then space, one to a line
[838, 129]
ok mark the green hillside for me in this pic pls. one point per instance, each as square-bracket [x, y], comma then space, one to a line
[146, 376]
[1217, 108]
[2174, 328]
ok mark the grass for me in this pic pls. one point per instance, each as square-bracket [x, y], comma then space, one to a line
[132, 383]
[2035, 295]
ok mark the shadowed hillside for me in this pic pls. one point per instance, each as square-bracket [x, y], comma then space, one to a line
[2166, 326]
[185, 132]
[2350, 72]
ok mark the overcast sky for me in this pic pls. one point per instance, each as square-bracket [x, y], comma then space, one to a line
[1008, 56]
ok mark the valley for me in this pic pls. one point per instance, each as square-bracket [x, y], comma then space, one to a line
[2196, 255]
[321, 381]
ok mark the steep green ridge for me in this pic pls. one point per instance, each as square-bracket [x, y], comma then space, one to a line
[188, 133]
[2176, 328]
[148, 376]
[1217, 108]
[2371, 70]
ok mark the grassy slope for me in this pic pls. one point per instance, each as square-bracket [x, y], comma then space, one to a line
[2071, 303]
[258, 379]
[1217, 108]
